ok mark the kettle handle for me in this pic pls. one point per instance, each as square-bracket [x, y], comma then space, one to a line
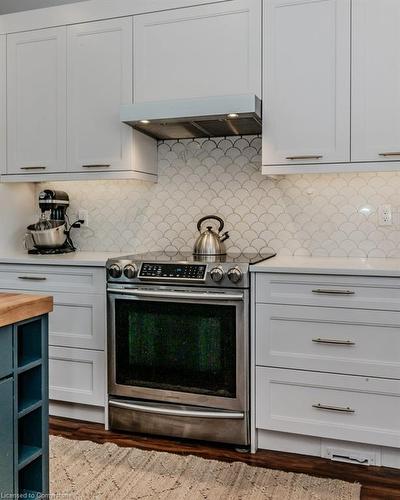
[215, 217]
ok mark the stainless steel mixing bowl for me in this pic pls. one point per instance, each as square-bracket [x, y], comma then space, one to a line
[49, 238]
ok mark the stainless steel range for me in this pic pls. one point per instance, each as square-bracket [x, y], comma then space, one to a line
[179, 345]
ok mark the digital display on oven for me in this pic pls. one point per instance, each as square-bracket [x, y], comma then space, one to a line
[195, 272]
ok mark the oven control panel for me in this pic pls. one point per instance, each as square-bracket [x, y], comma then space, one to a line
[184, 272]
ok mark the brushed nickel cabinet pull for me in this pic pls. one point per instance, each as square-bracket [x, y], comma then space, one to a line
[304, 157]
[341, 409]
[33, 168]
[32, 278]
[333, 291]
[390, 153]
[333, 341]
[96, 166]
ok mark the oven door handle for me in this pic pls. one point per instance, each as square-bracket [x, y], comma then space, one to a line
[175, 412]
[165, 294]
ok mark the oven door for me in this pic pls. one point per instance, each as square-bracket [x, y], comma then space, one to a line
[179, 345]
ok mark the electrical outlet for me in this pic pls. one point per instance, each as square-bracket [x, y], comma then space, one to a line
[84, 215]
[385, 215]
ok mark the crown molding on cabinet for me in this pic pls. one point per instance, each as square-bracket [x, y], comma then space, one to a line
[91, 10]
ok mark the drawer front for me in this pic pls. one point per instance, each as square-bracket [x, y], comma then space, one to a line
[364, 410]
[78, 320]
[324, 290]
[6, 351]
[52, 278]
[349, 341]
[77, 376]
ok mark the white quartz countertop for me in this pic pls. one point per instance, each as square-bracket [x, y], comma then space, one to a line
[330, 265]
[90, 259]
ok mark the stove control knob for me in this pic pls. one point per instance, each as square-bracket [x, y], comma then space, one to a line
[115, 271]
[217, 274]
[235, 275]
[130, 271]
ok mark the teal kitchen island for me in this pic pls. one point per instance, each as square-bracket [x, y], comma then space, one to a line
[24, 441]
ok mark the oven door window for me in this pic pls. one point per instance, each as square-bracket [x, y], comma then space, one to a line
[176, 346]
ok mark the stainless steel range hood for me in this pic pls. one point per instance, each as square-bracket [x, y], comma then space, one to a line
[189, 118]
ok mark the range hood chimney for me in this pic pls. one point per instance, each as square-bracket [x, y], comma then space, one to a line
[190, 118]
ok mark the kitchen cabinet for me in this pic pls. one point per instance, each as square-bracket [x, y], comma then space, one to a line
[331, 93]
[65, 87]
[329, 406]
[199, 51]
[375, 85]
[99, 76]
[24, 436]
[77, 376]
[36, 101]
[306, 117]
[326, 371]
[77, 332]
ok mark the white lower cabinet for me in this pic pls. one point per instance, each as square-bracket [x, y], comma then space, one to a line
[327, 405]
[77, 333]
[319, 339]
[78, 320]
[77, 376]
[327, 365]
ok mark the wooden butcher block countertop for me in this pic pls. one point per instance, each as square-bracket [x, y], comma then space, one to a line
[15, 307]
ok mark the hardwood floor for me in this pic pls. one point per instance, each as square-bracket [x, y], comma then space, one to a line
[377, 482]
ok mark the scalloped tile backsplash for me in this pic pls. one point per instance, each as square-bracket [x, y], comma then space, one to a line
[324, 215]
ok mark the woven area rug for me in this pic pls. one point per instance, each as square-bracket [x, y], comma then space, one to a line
[86, 470]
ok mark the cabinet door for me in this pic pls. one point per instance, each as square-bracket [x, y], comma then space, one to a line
[77, 376]
[200, 51]
[306, 117]
[376, 76]
[6, 437]
[78, 320]
[36, 101]
[99, 81]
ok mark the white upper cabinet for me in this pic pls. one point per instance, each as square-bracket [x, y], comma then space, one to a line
[376, 81]
[306, 107]
[99, 79]
[36, 101]
[201, 51]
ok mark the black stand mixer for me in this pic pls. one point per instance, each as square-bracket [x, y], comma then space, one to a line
[51, 234]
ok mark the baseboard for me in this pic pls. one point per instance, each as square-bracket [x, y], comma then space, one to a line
[77, 411]
[319, 447]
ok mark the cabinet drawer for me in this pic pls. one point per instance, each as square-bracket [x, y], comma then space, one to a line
[6, 351]
[78, 320]
[349, 341]
[325, 290]
[52, 278]
[364, 410]
[77, 376]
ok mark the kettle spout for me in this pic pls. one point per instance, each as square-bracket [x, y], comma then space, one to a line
[224, 236]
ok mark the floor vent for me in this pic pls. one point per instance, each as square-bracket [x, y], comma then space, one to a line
[350, 457]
